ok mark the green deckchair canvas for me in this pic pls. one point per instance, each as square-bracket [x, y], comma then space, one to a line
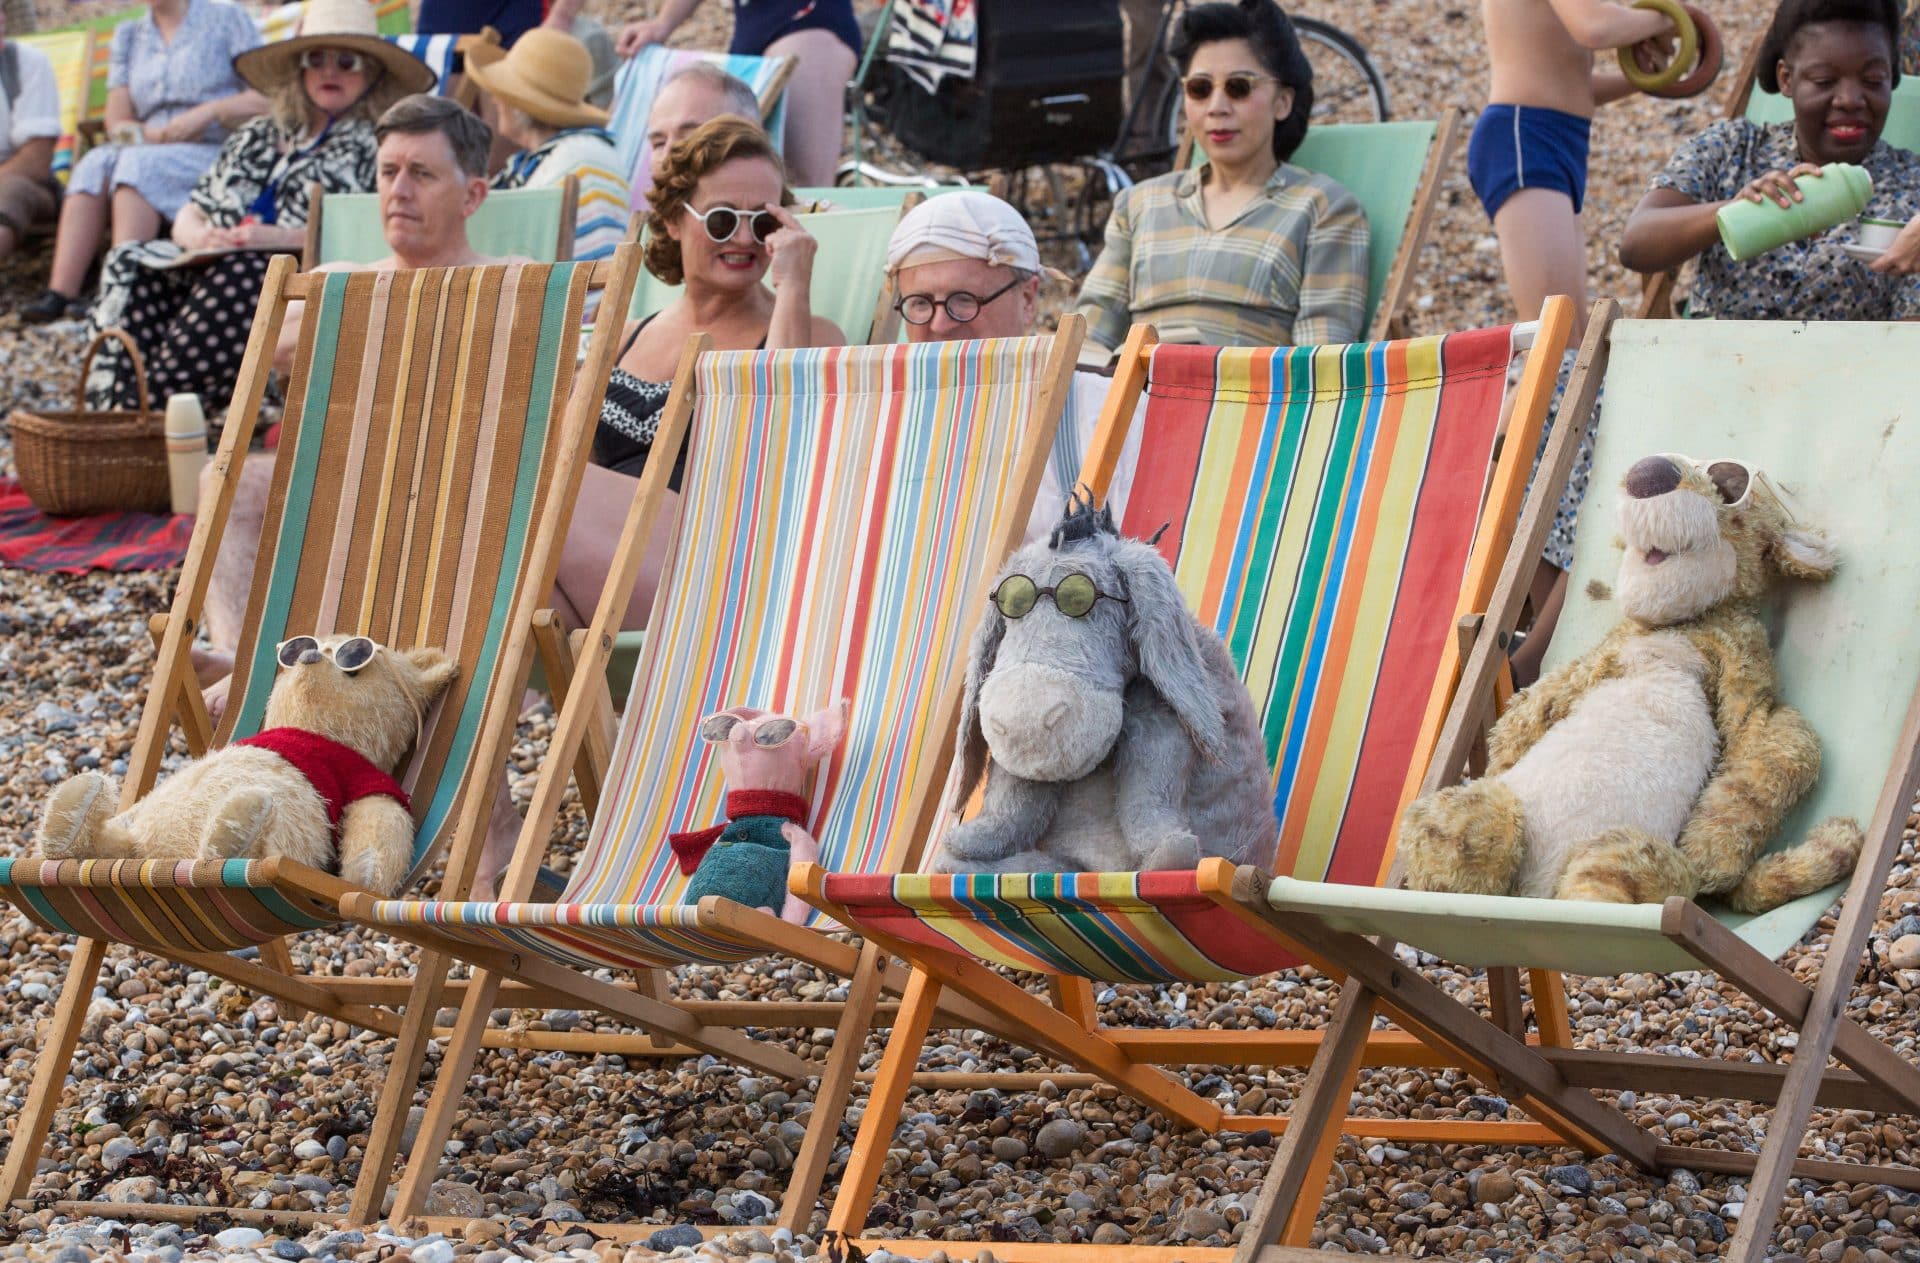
[1903, 114]
[876, 196]
[1849, 658]
[1393, 169]
[535, 224]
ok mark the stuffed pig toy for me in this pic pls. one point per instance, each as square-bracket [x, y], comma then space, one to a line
[766, 760]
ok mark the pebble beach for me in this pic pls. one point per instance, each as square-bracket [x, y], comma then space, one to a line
[188, 1092]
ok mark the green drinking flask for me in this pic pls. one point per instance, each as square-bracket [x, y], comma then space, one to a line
[1839, 192]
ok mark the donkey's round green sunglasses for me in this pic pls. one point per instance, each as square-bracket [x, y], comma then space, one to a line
[1074, 595]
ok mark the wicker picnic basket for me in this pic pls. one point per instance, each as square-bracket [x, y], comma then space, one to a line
[84, 460]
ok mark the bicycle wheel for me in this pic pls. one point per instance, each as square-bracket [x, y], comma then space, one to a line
[1347, 87]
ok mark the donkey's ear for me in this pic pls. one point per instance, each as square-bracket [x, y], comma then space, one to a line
[1167, 643]
[973, 741]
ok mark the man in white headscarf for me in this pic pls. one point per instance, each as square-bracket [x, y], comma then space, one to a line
[965, 265]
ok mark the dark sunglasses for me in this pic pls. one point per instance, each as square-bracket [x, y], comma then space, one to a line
[962, 307]
[349, 655]
[768, 734]
[721, 222]
[1073, 596]
[1238, 86]
[345, 60]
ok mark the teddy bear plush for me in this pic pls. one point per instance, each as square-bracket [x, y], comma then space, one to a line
[1112, 728]
[314, 785]
[1662, 762]
[766, 760]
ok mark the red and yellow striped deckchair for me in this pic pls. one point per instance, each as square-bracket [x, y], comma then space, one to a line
[1334, 511]
[841, 513]
[429, 456]
[72, 54]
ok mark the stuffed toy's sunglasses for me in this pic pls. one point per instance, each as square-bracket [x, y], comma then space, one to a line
[768, 734]
[1736, 479]
[349, 655]
[1075, 595]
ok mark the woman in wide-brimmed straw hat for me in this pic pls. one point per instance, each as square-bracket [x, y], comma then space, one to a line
[539, 92]
[325, 88]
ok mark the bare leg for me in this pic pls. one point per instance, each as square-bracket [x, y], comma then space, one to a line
[232, 578]
[503, 830]
[22, 204]
[1549, 594]
[816, 103]
[593, 535]
[1544, 251]
[134, 218]
[83, 222]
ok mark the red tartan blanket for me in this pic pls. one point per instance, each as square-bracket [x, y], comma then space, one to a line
[30, 540]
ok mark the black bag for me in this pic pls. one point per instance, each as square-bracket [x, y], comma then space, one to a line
[1047, 87]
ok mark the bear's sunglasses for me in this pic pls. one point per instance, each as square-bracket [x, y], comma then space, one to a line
[1075, 595]
[349, 655]
[1722, 474]
[722, 222]
[769, 734]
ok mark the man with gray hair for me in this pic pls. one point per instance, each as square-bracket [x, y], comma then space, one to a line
[965, 265]
[693, 95]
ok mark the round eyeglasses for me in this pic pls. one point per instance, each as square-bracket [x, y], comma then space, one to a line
[721, 222]
[1075, 595]
[350, 655]
[962, 307]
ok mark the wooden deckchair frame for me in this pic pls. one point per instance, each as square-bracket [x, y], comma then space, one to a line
[1558, 1082]
[671, 1023]
[562, 246]
[1389, 317]
[1130, 1059]
[174, 698]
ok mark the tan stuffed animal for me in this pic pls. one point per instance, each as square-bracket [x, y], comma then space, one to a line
[314, 785]
[1662, 762]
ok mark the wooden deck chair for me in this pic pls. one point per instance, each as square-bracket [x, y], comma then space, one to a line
[432, 445]
[1848, 660]
[1328, 518]
[71, 53]
[802, 570]
[1395, 170]
[639, 80]
[1748, 100]
[536, 224]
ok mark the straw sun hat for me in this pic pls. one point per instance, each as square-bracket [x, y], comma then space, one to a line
[546, 74]
[348, 24]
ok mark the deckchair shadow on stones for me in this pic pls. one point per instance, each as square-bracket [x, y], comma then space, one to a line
[1340, 515]
[1848, 659]
[841, 511]
[432, 446]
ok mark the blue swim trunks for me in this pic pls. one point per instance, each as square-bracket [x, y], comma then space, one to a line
[1518, 147]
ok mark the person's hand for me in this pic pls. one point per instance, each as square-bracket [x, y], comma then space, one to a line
[1779, 186]
[1902, 258]
[251, 235]
[155, 133]
[183, 127]
[635, 36]
[793, 248]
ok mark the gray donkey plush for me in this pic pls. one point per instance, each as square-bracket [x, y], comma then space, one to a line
[1119, 735]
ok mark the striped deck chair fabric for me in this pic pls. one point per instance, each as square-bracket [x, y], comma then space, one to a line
[421, 411]
[1323, 504]
[639, 81]
[436, 50]
[839, 505]
[70, 52]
